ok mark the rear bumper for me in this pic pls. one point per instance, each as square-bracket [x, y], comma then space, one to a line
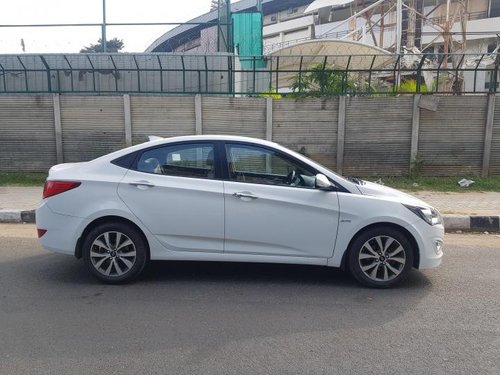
[62, 230]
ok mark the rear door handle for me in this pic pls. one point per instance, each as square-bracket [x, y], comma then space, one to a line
[142, 184]
[245, 195]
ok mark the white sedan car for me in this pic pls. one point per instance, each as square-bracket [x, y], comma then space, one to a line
[234, 199]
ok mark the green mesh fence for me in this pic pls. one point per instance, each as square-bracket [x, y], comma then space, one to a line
[247, 31]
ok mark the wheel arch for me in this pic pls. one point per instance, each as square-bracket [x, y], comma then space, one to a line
[411, 238]
[109, 219]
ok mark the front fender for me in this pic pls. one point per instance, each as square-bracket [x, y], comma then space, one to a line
[353, 218]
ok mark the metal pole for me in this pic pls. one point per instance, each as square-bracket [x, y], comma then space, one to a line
[259, 6]
[399, 32]
[399, 26]
[103, 30]
[218, 25]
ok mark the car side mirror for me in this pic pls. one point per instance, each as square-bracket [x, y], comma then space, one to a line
[322, 182]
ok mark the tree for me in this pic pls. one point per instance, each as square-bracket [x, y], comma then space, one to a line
[323, 80]
[113, 45]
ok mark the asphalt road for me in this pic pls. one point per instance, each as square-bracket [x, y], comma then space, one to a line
[203, 318]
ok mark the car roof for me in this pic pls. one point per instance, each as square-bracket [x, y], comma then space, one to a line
[158, 141]
[214, 137]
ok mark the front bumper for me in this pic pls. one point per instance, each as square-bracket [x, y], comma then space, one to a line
[430, 243]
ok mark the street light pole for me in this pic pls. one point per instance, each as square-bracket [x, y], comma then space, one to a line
[103, 29]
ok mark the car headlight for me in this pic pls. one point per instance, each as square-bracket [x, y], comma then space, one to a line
[429, 214]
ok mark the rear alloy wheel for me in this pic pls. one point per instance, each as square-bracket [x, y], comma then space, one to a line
[115, 253]
[381, 257]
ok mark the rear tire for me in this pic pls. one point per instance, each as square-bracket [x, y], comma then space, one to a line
[381, 257]
[115, 252]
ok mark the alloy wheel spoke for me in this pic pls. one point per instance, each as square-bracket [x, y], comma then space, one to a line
[127, 262]
[106, 239]
[379, 243]
[386, 273]
[94, 254]
[368, 247]
[102, 245]
[398, 260]
[117, 267]
[367, 256]
[394, 270]
[369, 267]
[125, 243]
[397, 251]
[128, 254]
[373, 273]
[118, 239]
[388, 243]
[101, 261]
[108, 270]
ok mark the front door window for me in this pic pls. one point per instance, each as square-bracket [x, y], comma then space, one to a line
[258, 165]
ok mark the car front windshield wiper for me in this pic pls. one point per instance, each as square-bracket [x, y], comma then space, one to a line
[356, 180]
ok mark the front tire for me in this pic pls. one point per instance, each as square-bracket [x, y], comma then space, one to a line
[115, 252]
[381, 257]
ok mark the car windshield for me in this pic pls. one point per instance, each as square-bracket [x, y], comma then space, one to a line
[313, 162]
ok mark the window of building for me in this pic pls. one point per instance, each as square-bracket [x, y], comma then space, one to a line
[494, 8]
[491, 48]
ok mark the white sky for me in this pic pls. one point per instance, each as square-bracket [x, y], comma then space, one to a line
[72, 39]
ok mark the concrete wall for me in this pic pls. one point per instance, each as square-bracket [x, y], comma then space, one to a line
[377, 136]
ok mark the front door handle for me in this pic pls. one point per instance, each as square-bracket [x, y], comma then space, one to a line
[142, 184]
[245, 195]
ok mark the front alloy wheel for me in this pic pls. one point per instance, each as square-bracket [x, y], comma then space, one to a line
[381, 257]
[115, 253]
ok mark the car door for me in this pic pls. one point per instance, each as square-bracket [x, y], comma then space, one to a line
[272, 206]
[174, 192]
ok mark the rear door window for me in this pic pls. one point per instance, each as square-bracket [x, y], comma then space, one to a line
[181, 160]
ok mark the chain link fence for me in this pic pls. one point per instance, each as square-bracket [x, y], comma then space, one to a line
[223, 74]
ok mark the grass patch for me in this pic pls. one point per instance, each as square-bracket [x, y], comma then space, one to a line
[22, 179]
[445, 184]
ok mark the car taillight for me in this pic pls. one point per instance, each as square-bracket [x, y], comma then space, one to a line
[57, 187]
[41, 232]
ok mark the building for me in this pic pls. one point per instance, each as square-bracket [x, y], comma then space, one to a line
[429, 26]
[292, 21]
[202, 38]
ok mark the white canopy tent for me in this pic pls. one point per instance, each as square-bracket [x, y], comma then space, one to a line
[331, 53]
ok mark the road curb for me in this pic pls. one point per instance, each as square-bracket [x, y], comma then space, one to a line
[466, 223]
[17, 216]
[452, 223]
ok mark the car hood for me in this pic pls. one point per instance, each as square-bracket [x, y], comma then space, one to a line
[377, 190]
